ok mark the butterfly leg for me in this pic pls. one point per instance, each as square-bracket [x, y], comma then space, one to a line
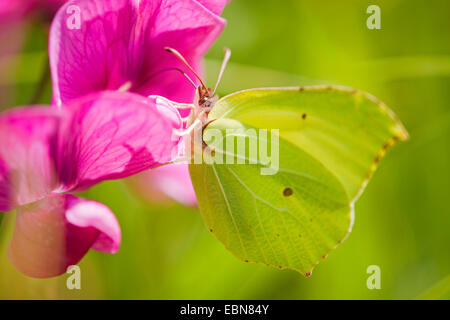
[183, 133]
[191, 127]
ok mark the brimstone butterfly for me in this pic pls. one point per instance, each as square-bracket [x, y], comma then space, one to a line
[330, 141]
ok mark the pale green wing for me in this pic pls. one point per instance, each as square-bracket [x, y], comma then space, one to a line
[290, 219]
[348, 131]
[331, 141]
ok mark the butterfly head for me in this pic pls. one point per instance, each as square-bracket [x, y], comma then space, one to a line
[205, 98]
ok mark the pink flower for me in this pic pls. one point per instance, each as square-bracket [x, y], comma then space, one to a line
[46, 153]
[120, 44]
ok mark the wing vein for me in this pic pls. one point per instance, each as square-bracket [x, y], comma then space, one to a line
[229, 209]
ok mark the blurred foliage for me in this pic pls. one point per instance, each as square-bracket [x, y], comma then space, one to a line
[402, 220]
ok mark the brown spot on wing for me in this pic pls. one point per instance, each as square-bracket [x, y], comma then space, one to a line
[287, 192]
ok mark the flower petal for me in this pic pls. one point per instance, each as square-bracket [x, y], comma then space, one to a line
[112, 135]
[56, 232]
[186, 26]
[90, 56]
[165, 184]
[5, 188]
[87, 213]
[122, 43]
[27, 149]
[215, 6]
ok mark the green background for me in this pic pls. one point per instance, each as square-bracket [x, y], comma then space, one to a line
[402, 219]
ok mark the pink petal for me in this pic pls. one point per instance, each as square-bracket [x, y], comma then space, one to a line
[170, 83]
[27, 149]
[123, 42]
[56, 232]
[93, 57]
[112, 135]
[5, 188]
[186, 26]
[215, 6]
[86, 213]
[165, 184]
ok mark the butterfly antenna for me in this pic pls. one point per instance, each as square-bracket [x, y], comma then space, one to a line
[183, 60]
[159, 73]
[180, 71]
[222, 68]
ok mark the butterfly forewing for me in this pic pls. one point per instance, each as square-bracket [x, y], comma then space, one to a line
[348, 131]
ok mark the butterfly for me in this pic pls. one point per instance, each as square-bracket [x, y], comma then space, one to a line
[329, 141]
